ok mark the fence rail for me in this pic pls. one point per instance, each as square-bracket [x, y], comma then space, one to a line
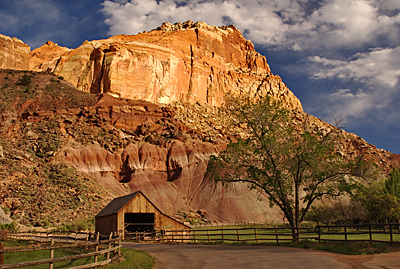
[112, 249]
[387, 233]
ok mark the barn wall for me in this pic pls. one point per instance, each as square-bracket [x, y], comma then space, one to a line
[139, 204]
[106, 225]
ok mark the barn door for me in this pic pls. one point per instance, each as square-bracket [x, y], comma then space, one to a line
[139, 222]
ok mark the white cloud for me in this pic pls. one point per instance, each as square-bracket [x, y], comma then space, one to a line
[273, 23]
[351, 41]
[348, 105]
[377, 67]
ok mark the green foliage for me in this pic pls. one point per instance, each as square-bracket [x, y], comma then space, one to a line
[392, 184]
[292, 166]
[78, 225]
[381, 206]
[25, 80]
[48, 140]
[12, 227]
[337, 213]
[63, 176]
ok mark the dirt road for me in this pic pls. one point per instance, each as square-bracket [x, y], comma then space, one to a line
[224, 256]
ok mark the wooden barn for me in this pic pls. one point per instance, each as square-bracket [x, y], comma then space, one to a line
[136, 213]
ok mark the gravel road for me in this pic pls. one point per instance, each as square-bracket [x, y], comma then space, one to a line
[225, 256]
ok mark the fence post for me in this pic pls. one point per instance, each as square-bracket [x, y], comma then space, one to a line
[51, 253]
[237, 232]
[222, 233]
[391, 234]
[97, 245]
[1, 254]
[208, 235]
[276, 235]
[119, 244]
[255, 233]
[109, 246]
[345, 233]
[76, 236]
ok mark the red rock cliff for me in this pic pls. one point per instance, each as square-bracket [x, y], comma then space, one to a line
[14, 54]
[182, 62]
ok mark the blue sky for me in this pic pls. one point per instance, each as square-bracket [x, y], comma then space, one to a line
[340, 57]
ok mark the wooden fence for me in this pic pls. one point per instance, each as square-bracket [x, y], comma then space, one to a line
[387, 233]
[379, 233]
[111, 247]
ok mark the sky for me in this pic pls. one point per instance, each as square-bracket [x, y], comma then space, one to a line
[341, 58]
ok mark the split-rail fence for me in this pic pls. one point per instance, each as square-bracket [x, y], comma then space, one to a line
[382, 233]
[109, 246]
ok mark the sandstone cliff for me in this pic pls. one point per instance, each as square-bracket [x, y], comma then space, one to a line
[188, 62]
[128, 145]
[14, 54]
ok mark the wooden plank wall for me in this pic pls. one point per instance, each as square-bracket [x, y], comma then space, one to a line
[107, 224]
[139, 204]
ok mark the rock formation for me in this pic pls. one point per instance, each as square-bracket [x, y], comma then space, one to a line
[129, 145]
[14, 54]
[188, 62]
[171, 173]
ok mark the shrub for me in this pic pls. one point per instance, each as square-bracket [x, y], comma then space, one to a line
[25, 80]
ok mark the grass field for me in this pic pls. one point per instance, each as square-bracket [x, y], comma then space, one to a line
[260, 234]
[131, 258]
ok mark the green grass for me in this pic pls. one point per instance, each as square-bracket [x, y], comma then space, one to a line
[131, 258]
[267, 237]
[19, 257]
[231, 234]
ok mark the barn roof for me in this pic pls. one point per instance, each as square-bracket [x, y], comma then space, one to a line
[116, 205]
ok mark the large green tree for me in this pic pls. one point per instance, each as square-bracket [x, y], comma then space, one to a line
[293, 164]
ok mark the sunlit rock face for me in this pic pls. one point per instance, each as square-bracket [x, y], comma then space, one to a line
[14, 54]
[191, 62]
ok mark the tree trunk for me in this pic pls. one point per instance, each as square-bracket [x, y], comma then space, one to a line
[296, 212]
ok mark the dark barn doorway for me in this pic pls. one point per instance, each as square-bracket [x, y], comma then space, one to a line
[139, 222]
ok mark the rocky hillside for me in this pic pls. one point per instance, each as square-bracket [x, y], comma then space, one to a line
[36, 189]
[124, 145]
[133, 113]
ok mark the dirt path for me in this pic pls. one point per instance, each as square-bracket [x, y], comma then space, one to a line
[224, 256]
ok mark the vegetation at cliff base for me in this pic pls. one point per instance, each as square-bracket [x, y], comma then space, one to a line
[291, 164]
[375, 201]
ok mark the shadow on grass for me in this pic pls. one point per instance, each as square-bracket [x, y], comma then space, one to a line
[347, 248]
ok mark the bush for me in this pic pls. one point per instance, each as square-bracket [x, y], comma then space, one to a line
[12, 227]
[25, 80]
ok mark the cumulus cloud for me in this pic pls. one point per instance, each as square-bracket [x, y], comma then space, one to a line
[377, 72]
[292, 24]
[345, 42]
[377, 67]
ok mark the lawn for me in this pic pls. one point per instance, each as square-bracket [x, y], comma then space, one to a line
[131, 258]
[266, 234]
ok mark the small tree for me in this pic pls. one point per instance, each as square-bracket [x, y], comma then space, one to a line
[293, 166]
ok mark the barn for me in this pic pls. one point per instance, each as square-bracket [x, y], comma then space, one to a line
[135, 213]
